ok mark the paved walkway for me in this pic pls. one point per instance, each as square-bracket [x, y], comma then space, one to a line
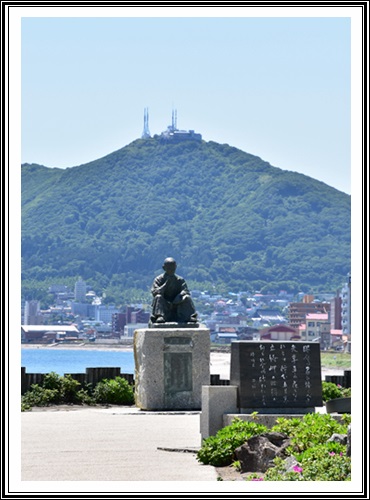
[111, 444]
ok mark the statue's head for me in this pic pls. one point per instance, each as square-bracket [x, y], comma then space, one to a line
[169, 266]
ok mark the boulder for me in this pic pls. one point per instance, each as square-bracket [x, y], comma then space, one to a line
[290, 463]
[338, 438]
[349, 441]
[257, 453]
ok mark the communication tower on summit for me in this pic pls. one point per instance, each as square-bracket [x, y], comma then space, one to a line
[174, 120]
[146, 133]
[174, 134]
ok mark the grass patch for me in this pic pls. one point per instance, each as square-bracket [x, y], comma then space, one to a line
[340, 360]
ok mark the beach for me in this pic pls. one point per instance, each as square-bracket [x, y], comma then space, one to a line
[219, 361]
[79, 346]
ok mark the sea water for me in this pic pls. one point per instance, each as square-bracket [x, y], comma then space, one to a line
[61, 361]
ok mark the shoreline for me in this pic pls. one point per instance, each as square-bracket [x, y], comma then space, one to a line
[219, 361]
[81, 346]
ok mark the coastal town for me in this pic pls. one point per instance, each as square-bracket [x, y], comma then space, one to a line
[78, 315]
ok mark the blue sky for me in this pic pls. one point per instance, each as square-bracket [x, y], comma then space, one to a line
[275, 87]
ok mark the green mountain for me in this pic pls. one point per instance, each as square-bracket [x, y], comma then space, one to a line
[230, 219]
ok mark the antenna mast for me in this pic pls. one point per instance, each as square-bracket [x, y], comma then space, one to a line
[146, 133]
[174, 120]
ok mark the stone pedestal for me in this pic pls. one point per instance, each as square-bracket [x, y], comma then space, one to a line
[171, 366]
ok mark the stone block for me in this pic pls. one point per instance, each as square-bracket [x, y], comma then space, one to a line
[171, 366]
[216, 401]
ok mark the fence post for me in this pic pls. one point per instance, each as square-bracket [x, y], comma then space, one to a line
[129, 377]
[95, 375]
[347, 379]
[92, 376]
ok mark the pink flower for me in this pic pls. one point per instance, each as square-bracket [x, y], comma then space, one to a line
[332, 453]
[257, 479]
[298, 469]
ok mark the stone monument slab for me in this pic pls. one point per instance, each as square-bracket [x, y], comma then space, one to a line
[171, 366]
[276, 377]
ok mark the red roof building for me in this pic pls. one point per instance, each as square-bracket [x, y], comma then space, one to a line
[279, 332]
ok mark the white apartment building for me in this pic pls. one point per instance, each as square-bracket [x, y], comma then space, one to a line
[315, 324]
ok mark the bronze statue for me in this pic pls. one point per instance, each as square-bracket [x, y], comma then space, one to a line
[171, 297]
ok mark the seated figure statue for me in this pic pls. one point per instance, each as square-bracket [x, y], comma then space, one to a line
[171, 297]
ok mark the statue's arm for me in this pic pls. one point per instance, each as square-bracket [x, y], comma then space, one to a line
[184, 288]
[159, 286]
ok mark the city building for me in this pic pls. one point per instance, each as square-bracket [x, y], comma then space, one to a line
[269, 316]
[297, 311]
[225, 337]
[336, 339]
[32, 313]
[132, 316]
[84, 310]
[336, 312]
[128, 331]
[118, 322]
[80, 291]
[61, 292]
[279, 332]
[136, 315]
[315, 324]
[346, 307]
[48, 333]
[104, 313]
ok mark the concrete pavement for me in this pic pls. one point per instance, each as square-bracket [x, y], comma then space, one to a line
[111, 444]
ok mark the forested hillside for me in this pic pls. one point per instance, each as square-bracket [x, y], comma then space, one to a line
[230, 219]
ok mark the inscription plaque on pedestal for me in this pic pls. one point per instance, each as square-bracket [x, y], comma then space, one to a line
[276, 375]
[177, 372]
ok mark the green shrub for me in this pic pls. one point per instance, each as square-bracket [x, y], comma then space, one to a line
[66, 390]
[318, 460]
[55, 389]
[84, 396]
[319, 463]
[38, 396]
[114, 391]
[328, 447]
[312, 429]
[219, 450]
[330, 391]
[25, 406]
[52, 381]
[69, 390]
[346, 392]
